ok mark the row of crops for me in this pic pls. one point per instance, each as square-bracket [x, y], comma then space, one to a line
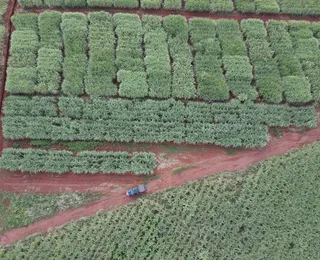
[125, 56]
[90, 162]
[302, 7]
[269, 211]
[72, 118]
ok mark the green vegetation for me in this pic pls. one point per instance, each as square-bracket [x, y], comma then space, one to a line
[161, 58]
[235, 124]
[271, 209]
[18, 210]
[182, 169]
[152, 57]
[60, 161]
[267, 76]
[212, 85]
[176, 27]
[101, 67]
[157, 59]
[302, 7]
[71, 146]
[74, 29]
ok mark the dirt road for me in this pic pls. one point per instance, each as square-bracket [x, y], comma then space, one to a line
[204, 163]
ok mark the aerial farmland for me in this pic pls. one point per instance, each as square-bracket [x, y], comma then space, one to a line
[160, 129]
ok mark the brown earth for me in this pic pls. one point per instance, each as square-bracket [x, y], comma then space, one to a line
[205, 163]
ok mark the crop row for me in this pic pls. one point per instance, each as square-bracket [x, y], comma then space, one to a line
[123, 55]
[226, 124]
[275, 201]
[302, 7]
[55, 161]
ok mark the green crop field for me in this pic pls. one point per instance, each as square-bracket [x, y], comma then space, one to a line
[301, 7]
[270, 210]
[123, 78]
[19, 210]
[54, 161]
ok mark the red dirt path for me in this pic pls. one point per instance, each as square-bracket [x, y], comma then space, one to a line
[206, 162]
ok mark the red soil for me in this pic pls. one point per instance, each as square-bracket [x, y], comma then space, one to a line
[206, 162]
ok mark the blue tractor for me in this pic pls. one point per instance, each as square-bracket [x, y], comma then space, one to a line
[137, 190]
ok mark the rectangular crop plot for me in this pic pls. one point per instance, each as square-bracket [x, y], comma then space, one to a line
[125, 78]
[127, 56]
